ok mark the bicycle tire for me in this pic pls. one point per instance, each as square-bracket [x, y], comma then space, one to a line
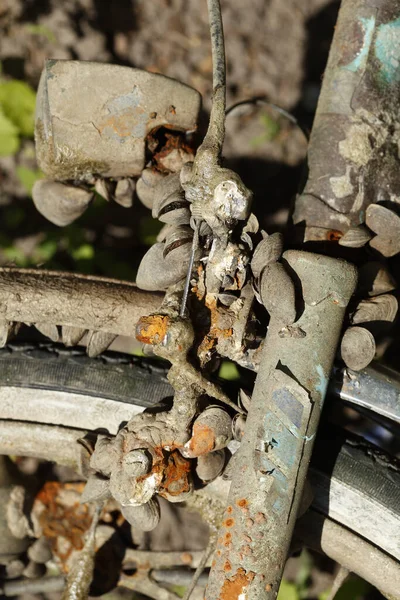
[355, 484]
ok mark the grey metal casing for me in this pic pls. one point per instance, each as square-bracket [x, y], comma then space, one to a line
[92, 119]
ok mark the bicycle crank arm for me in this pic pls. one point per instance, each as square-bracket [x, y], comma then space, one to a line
[271, 465]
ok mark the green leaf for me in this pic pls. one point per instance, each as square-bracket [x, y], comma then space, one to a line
[37, 29]
[84, 252]
[9, 138]
[228, 370]
[288, 591]
[179, 590]
[16, 255]
[45, 251]
[27, 177]
[304, 573]
[270, 129]
[17, 99]
[353, 588]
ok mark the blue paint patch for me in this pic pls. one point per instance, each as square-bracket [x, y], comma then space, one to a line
[307, 438]
[360, 61]
[282, 445]
[321, 387]
[278, 505]
[387, 50]
[120, 104]
[124, 117]
[289, 405]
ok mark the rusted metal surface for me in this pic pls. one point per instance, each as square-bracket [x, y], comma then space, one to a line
[152, 329]
[272, 461]
[62, 519]
[93, 119]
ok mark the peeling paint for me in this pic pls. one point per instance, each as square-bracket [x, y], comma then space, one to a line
[360, 61]
[357, 145]
[342, 186]
[387, 51]
[321, 387]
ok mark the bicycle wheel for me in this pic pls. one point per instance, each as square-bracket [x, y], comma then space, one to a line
[50, 396]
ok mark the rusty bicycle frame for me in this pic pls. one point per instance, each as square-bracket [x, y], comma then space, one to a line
[351, 166]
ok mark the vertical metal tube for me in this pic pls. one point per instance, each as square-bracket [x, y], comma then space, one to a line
[272, 462]
[353, 155]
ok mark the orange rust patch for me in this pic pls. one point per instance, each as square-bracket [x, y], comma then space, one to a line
[229, 522]
[236, 585]
[152, 329]
[175, 145]
[229, 509]
[268, 587]
[186, 558]
[203, 439]
[121, 125]
[334, 235]
[70, 521]
[176, 475]
[243, 503]
[227, 566]
[228, 536]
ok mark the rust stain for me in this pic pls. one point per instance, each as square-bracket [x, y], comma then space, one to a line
[215, 332]
[229, 522]
[186, 558]
[229, 509]
[203, 439]
[122, 125]
[176, 475]
[152, 329]
[236, 586]
[243, 503]
[333, 235]
[175, 149]
[61, 519]
[227, 566]
[268, 587]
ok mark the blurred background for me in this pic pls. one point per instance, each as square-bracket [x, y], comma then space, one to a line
[275, 48]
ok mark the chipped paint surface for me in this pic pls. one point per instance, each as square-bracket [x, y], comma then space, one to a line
[360, 61]
[357, 145]
[235, 588]
[387, 51]
[322, 386]
[342, 186]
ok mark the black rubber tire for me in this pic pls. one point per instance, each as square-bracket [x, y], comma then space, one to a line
[362, 477]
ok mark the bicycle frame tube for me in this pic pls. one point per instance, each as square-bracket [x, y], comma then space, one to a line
[272, 461]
